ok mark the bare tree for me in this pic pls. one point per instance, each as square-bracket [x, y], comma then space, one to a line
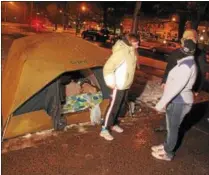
[135, 17]
[193, 11]
[92, 12]
[52, 11]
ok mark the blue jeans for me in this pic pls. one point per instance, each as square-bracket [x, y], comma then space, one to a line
[175, 114]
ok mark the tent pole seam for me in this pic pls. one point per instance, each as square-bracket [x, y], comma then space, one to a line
[4, 130]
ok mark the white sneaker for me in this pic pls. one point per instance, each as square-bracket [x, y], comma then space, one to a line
[161, 155]
[117, 128]
[106, 134]
[157, 148]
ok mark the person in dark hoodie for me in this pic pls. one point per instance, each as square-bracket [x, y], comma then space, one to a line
[200, 84]
[119, 73]
[175, 55]
[177, 99]
[204, 83]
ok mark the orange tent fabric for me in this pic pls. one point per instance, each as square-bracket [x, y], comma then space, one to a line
[34, 61]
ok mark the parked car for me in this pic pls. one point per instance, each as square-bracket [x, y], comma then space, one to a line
[113, 37]
[166, 47]
[96, 35]
[149, 45]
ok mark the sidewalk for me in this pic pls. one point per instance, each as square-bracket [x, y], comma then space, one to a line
[81, 151]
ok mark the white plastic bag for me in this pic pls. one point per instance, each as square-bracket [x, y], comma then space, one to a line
[95, 115]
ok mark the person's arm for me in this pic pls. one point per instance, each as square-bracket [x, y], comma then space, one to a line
[171, 64]
[206, 66]
[110, 66]
[174, 87]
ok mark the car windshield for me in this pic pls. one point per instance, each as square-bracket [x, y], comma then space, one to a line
[93, 30]
[105, 31]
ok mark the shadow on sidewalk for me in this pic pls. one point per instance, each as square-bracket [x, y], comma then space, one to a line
[198, 112]
[14, 35]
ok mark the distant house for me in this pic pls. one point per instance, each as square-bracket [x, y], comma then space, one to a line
[203, 32]
[149, 26]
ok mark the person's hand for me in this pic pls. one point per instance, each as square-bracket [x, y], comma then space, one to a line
[196, 94]
[111, 86]
[159, 108]
[207, 75]
[160, 111]
[138, 66]
[163, 85]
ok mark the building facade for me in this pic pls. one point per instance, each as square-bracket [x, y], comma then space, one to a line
[152, 27]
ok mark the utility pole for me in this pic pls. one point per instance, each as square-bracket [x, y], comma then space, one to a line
[24, 12]
[31, 9]
[5, 11]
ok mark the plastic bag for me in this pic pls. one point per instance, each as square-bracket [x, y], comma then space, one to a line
[95, 115]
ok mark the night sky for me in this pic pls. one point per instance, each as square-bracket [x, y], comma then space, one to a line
[130, 5]
[146, 8]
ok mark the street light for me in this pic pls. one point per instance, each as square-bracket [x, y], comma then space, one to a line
[5, 10]
[174, 19]
[83, 8]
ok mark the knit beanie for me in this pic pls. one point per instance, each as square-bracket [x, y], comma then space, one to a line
[189, 47]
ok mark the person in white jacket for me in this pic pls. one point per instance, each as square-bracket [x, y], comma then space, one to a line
[177, 100]
[119, 73]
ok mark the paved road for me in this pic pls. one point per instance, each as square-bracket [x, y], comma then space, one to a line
[142, 52]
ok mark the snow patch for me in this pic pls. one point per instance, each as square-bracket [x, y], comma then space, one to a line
[35, 139]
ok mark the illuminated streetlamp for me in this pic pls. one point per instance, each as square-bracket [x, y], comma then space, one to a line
[201, 38]
[80, 9]
[5, 9]
[164, 41]
[173, 19]
[83, 8]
